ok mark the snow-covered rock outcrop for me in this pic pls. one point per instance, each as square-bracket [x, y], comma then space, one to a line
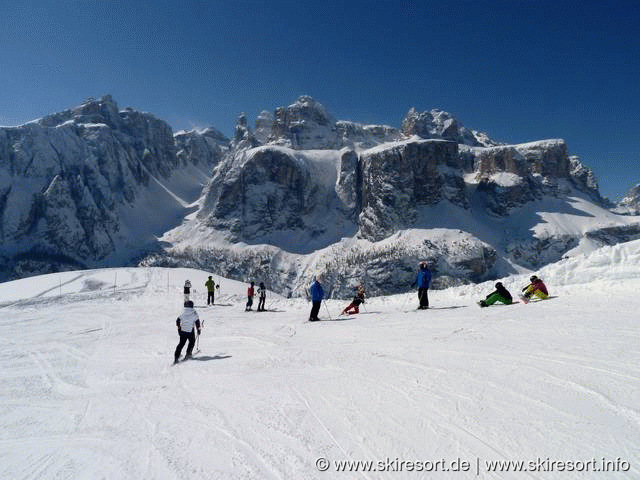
[301, 194]
[630, 204]
[75, 185]
[308, 194]
[439, 124]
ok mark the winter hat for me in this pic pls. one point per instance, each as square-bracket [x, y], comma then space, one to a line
[533, 278]
[499, 285]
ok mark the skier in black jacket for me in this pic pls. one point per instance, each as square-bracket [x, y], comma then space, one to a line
[500, 294]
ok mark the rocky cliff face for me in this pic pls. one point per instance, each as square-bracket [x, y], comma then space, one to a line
[396, 180]
[439, 124]
[302, 194]
[306, 125]
[68, 181]
[304, 181]
[510, 176]
[630, 204]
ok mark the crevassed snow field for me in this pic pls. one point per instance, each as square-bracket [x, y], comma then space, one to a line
[88, 390]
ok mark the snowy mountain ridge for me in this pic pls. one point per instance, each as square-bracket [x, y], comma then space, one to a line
[303, 198]
[305, 194]
[94, 186]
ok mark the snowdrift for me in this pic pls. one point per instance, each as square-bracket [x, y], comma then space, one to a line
[88, 390]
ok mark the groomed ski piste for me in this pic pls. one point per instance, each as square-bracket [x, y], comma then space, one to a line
[549, 389]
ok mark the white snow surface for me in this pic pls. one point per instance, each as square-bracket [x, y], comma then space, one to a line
[88, 390]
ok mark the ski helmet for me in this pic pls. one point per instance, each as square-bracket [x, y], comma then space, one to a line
[533, 278]
[499, 285]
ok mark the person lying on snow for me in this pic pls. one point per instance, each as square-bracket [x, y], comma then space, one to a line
[537, 288]
[500, 294]
[353, 307]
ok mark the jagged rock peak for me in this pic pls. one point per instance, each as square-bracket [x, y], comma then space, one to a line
[305, 125]
[208, 132]
[306, 109]
[440, 124]
[631, 201]
[243, 136]
[264, 126]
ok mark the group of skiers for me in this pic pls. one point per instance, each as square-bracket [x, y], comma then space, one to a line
[262, 296]
[211, 291]
[502, 295]
[188, 322]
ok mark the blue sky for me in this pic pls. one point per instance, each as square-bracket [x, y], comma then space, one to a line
[520, 71]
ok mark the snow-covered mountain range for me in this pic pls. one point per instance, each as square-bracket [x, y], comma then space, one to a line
[95, 186]
[299, 195]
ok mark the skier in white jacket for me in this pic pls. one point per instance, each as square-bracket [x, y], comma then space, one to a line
[186, 322]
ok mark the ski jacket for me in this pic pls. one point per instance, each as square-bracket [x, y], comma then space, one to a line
[423, 279]
[358, 299]
[262, 292]
[211, 285]
[250, 292]
[187, 319]
[316, 291]
[503, 292]
[187, 287]
[539, 285]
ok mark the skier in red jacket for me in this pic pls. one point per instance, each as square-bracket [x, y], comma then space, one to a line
[537, 288]
[250, 293]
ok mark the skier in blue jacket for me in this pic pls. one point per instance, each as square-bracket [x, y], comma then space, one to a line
[317, 295]
[423, 279]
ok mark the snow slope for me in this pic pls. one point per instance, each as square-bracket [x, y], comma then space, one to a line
[87, 389]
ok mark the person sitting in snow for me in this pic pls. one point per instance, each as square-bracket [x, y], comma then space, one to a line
[500, 294]
[537, 288]
[423, 279]
[186, 322]
[353, 307]
[262, 295]
[250, 293]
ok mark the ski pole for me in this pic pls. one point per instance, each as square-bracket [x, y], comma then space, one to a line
[325, 306]
[404, 302]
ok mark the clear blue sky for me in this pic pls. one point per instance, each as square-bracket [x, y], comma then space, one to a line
[520, 71]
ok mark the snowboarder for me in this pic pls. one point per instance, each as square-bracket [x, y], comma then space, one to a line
[317, 295]
[186, 322]
[537, 288]
[211, 290]
[187, 292]
[250, 293]
[423, 279]
[353, 307]
[262, 295]
[500, 294]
